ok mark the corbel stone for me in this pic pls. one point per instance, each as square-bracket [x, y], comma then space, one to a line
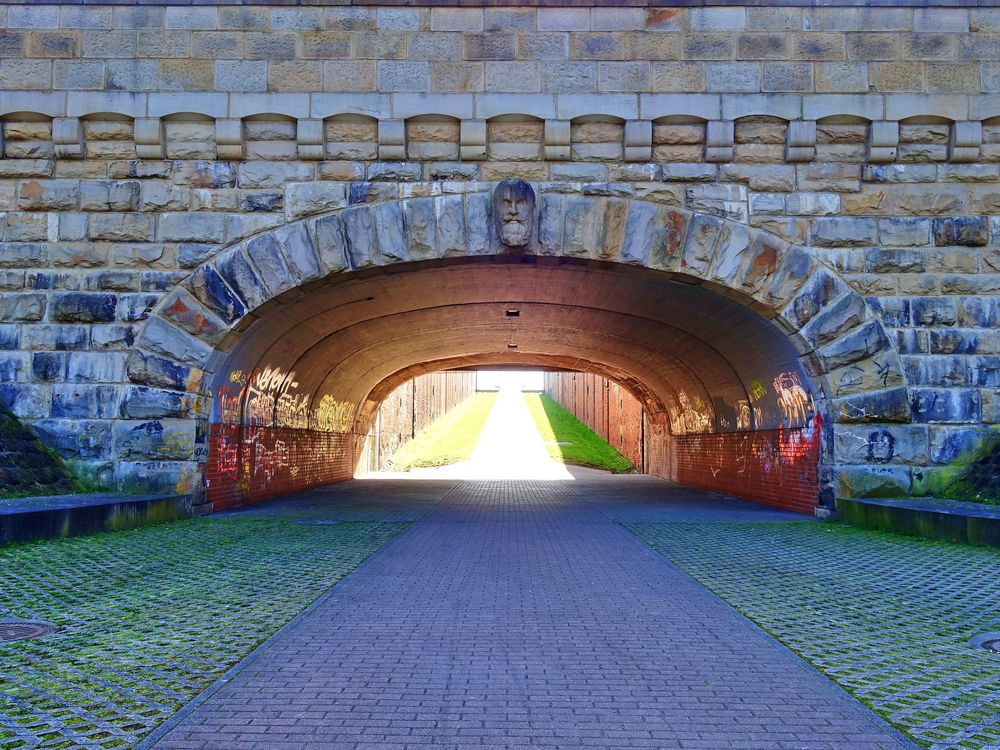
[311, 139]
[720, 136]
[801, 141]
[883, 141]
[149, 139]
[557, 140]
[67, 135]
[229, 139]
[472, 140]
[392, 140]
[965, 141]
[638, 140]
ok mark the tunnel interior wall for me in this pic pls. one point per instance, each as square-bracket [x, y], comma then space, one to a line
[408, 410]
[261, 447]
[248, 463]
[776, 467]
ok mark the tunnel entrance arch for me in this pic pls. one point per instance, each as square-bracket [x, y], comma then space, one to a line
[720, 329]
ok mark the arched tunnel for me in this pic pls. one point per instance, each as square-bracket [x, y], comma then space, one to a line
[726, 399]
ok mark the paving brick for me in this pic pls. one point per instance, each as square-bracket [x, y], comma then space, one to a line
[516, 614]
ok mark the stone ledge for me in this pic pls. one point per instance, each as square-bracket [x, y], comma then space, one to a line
[35, 518]
[949, 520]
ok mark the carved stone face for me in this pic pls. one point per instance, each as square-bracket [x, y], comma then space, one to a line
[514, 212]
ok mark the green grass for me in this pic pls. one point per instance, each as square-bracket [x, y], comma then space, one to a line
[148, 618]
[449, 439]
[887, 617]
[570, 441]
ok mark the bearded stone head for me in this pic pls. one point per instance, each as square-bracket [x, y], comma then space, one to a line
[514, 212]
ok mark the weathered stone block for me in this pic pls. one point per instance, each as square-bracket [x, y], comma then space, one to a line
[970, 231]
[944, 371]
[192, 227]
[728, 201]
[841, 232]
[834, 320]
[864, 342]
[829, 177]
[903, 232]
[881, 444]
[74, 438]
[121, 227]
[109, 196]
[934, 311]
[874, 481]
[954, 405]
[35, 195]
[76, 307]
[157, 439]
[889, 405]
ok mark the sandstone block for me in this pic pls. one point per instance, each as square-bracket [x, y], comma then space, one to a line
[597, 46]
[109, 195]
[881, 444]
[75, 438]
[138, 402]
[942, 405]
[728, 201]
[26, 227]
[234, 267]
[211, 290]
[121, 227]
[192, 227]
[22, 307]
[156, 439]
[961, 230]
[934, 311]
[35, 195]
[304, 198]
[136, 307]
[832, 178]
[841, 232]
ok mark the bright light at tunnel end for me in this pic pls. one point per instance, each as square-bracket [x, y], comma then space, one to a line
[502, 380]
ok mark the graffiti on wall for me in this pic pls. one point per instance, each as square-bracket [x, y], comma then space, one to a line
[692, 415]
[794, 401]
[269, 397]
[251, 462]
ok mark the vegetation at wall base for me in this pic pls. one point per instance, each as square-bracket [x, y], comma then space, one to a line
[27, 468]
[449, 439]
[570, 441]
[975, 476]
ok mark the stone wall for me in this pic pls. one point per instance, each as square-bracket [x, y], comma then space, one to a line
[140, 141]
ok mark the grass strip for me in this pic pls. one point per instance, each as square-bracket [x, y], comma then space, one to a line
[570, 441]
[450, 438]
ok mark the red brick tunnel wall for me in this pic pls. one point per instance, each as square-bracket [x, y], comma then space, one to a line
[247, 463]
[773, 467]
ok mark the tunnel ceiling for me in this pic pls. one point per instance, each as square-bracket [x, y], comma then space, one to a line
[698, 360]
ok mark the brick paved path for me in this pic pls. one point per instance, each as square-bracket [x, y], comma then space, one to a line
[516, 614]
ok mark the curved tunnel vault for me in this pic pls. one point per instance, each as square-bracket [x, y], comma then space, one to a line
[743, 350]
[699, 362]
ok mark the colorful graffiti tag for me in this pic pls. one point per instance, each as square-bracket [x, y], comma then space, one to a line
[269, 397]
[267, 440]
